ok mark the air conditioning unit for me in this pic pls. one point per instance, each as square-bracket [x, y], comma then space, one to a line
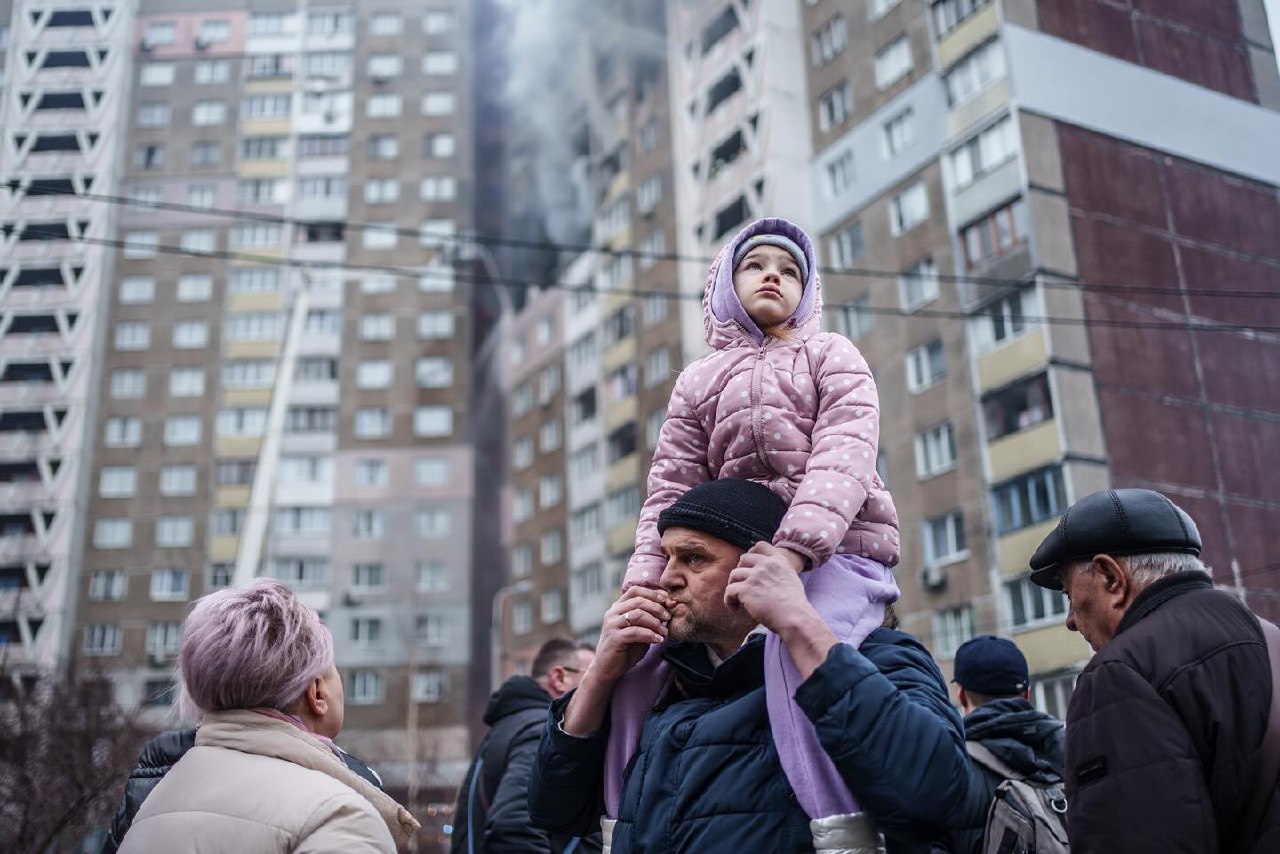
[933, 578]
[201, 44]
[146, 46]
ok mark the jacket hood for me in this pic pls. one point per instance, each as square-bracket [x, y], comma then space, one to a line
[517, 694]
[726, 322]
[1024, 738]
[164, 751]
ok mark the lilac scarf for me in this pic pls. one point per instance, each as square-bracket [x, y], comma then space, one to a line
[850, 594]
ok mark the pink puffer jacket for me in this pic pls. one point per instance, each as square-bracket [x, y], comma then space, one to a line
[800, 416]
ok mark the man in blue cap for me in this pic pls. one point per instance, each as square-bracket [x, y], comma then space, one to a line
[994, 692]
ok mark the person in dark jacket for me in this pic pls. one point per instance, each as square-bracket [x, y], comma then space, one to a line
[995, 693]
[706, 775]
[1165, 725]
[158, 756]
[492, 812]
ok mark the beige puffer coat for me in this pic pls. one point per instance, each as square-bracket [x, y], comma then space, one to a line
[257, 785]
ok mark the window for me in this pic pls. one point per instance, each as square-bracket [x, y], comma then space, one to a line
[371, 473]
[385, 65]
[1007, 318]
[983, 153]
[430, 629]
[262, 147]
[908, 209]
[256, 235]
[367, 688]
[301, 572]
[430, 686]
[438, 145]
[585, 523]
[551, 547]
[1052, 694]
[198, 240]
[102, 639]
[436, 233]
[156, 74]
[926, 365]
[935, 450]
[137, 290]
[438, 104]
[548, 383]
[879, 7]
[214, 31]
[439, 63]
[332, 65]
[117, 481]
[381, 190]
[621, 504]
[128, 383]
[944, 538]
[186, 382]
[368, 525]
[435, 325]
[918, 284]
[242, 421]
[550, 490]
[552, 606]
[148, 157]
[949, 14]
[431, 471]
[386, 24]
[521, 560]
[1028, 500]
[975, 72]
[208, 113]
[195, 288]
[108, 585]
[322, 187]
[144, 197]
[141, 244]
[853, 319]
[952, 627]
[839, 174]
[657, 367]
[652, 248]
[178, 480]
[372, 423]
[328, 145]
[433, 523]
[112, 533]
[375, 373]
[190, 334]
[377, 327]
[226, 522]
[252, 326]
[169, 585]
[122, 432]
[1023, 404]
[998, 233]
[379, 235]
[550, 435]
[893, 63]
[383, 106]
[583, 406]
[303, 520]
[898, 133]
[262, 191]
[330, 22]
[174, 531]
[584, 462]
[257, 373]
[431, 576]
[437, 22]
[521, 617]
[235, 472]
[316, 369]
[521, 505]
[268, 65]
[587, 581]
[433, 421]
[847, 246]
[648, 194]
[270, 23]
[828, 40]
[205, 154]
[834, 106]
[265, 106]
[182, 430]
[441, 188]
[434, 372]
[221, 575]
[1031, 605]
[212, 71]
[154, 114]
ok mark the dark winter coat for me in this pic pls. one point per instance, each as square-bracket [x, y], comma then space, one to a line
[492, 813]
[1023, 738]
[1164, 728]
[158, 756]
[706, 775]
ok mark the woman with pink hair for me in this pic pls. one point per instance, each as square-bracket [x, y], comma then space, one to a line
[257, 668]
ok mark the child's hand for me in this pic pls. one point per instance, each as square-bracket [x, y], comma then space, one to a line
[798, 561]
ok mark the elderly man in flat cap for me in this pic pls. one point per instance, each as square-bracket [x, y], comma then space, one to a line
[1173, 735]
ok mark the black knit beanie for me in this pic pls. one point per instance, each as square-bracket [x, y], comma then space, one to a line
[740, 512]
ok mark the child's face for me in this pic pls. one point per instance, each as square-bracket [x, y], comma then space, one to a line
[768, 285]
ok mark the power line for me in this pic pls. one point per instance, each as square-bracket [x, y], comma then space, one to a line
[476, 278]
[1058, 282]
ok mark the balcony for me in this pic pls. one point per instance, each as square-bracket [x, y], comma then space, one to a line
[1016, 548]
[1006, 363]
[1053, 648]
[968, 35]
[1025, 450]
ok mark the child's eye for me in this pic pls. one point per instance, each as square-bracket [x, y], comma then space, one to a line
[792, 272]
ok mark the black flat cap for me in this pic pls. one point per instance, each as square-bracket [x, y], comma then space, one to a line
[1114, 522]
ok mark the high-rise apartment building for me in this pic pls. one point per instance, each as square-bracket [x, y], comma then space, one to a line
[288, 351]
[1041, 216]
[63, 97]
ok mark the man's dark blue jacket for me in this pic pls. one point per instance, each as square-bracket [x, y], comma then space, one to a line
[706, 776]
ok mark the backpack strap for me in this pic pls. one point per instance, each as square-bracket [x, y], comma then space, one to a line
[1264, 787]
[984, 757]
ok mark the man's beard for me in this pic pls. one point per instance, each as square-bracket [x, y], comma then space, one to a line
[693, 625]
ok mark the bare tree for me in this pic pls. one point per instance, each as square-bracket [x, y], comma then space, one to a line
[65, 752]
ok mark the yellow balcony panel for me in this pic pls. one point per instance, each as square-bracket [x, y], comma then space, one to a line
[1016, 548]
[1020, 356]
[264, 169]
[276, 86]
[619, 354]
[250, 349]
[1052, 647]
[622, 536]
[1024, 450]
[968, 35]
[618, 413]
[237, 446]
[222, 549]
[614, 301]
[266, 127]
[981, 105]
[232, 496]
[247, 397]
[624, 472]
[254, 302]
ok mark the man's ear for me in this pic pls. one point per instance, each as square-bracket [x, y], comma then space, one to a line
[316, 698]
[962, 697]
[1113, 577]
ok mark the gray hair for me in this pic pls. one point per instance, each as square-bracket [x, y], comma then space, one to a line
[1147, 569]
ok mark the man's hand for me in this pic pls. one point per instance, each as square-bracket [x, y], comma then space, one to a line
[634, 622]
[765, 584]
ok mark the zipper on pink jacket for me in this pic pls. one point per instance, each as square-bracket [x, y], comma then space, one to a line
[757, 422]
